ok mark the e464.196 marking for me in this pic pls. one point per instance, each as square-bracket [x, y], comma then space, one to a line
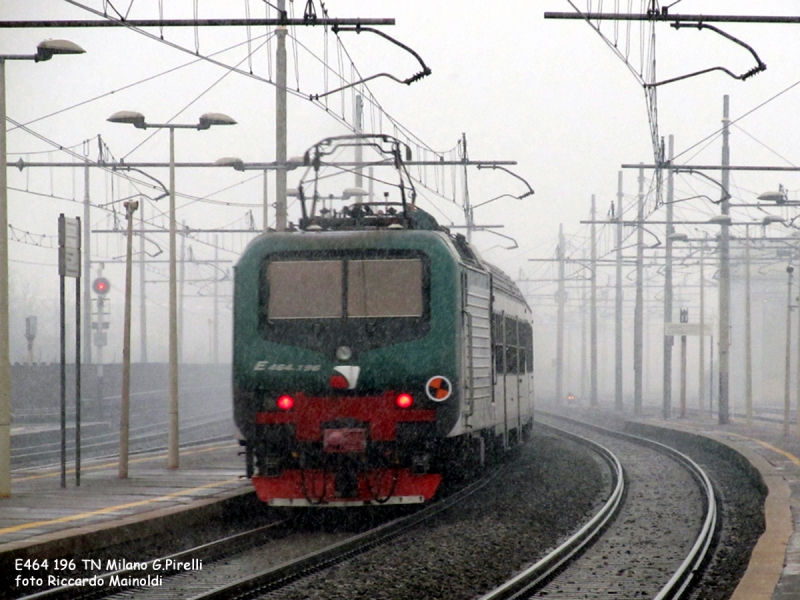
[264, 365]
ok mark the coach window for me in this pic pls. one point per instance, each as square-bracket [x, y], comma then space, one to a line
[497, 343]
[511, 344]
[525, 347]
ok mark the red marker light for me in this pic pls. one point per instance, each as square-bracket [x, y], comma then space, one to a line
[285, 402]
[404, 401]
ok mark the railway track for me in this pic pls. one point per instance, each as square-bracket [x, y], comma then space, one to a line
[641, 568]
[611, 550]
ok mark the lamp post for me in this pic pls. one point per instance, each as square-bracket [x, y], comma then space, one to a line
[125, 408]
[44, 51]
[206, 121]
[239, 165]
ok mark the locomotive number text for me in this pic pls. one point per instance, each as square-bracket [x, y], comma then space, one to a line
[264, 365]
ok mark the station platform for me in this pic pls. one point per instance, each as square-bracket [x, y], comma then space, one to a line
[774, 569]
[43, 520]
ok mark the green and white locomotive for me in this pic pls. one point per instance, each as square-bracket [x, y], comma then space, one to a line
[373, 352]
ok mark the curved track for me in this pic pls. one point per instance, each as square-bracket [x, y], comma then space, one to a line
[628, 560]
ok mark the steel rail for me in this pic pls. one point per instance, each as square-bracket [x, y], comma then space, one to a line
[288, 572]
[685, 575]
[524, 584]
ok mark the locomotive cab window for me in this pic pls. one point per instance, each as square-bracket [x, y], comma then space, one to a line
[361, 299]
[305, 289]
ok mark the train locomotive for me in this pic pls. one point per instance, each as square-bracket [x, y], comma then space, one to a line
[373, 351]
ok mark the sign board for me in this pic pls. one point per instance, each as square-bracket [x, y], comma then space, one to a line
[69, 247]
[685, 329]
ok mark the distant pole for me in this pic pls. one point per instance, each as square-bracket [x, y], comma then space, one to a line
[280, 123]
[125, 404]
[668, 339]
[560, 318]
[593, 311]
[359, 149]
[584, 346]
[216, 300]
[702, 366]
[638, 321]
[618, 303]
[787, 401]
[468, 214]
[724, 276]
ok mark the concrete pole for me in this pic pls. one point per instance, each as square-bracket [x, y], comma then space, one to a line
[5, 349]
[638, 319]
[618, 303]
[181, 295]
[142, 291]
[724, 277]
[280, 123]
[125, 404]
[265, 223]
[668, 339]
[560, 318]
[593, 312]
[748, 337]
[173, 437]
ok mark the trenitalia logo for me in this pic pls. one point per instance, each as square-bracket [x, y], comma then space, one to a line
[347, 377]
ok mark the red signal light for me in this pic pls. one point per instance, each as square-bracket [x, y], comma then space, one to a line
[285, 402]
[404, 401]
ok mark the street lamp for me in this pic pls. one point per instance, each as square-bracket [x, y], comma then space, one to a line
[44, 51]
[206, 121]
[239, 165]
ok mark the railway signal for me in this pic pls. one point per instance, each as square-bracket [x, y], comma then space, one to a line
[101, 286]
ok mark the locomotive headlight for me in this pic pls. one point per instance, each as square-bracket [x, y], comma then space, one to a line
[344, 353]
